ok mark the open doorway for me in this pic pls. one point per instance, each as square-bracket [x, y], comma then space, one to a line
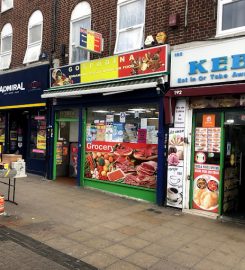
[67, 150]
[234, 167]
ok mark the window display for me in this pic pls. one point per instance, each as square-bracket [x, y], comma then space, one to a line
[38, 136]
[121, 144]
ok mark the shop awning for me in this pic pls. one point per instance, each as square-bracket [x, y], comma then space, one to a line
[105, 88]
[238, 88]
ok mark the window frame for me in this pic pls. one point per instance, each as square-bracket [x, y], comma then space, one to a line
[232, 31]
[9, 33]
[7, 8]
[38, 44]
[124, 30]
[87, 15]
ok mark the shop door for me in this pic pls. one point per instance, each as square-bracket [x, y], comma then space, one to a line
[66, 146]
[234, 172]
[207, 162]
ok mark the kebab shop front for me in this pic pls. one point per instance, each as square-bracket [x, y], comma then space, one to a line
[210, 82]
[119, 121]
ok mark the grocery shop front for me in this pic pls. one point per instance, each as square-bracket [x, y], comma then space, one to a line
[108, 123]
[209, 82]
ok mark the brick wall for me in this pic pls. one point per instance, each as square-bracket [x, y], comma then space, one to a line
[19, 17]
[201, 23]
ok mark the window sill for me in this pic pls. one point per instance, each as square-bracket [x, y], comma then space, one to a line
[2, 11]
[230, 35]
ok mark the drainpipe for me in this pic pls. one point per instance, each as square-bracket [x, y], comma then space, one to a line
[53, 31]
[186, 12]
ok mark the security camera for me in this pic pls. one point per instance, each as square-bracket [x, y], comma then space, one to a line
[160, 81]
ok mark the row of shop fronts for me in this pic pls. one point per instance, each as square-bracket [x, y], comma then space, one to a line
[130, 125]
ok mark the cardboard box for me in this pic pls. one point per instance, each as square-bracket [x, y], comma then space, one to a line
[9, 158]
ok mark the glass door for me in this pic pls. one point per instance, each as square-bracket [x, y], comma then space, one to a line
[207, 162]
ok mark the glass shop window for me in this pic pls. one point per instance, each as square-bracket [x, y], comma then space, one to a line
[121, 144]
[38, 136]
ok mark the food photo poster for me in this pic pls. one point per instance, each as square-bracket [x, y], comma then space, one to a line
[175, 161]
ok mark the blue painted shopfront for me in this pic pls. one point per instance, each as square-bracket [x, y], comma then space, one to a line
[24, 118]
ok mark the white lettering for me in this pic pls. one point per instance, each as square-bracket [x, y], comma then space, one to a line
[99, 147]
[12, 87]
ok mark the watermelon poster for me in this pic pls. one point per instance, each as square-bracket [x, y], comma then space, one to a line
[126, 163]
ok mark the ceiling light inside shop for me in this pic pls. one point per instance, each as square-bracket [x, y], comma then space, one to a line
[152, 118]
[152, 109]
[130, 112]
[101, 111]
[230, 121]
[137, 110]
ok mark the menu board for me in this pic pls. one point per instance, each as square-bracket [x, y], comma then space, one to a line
[207, 139]
[214, 139]
[201, 139]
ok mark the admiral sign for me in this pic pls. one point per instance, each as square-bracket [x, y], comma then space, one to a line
[213, 63]
[23, 86]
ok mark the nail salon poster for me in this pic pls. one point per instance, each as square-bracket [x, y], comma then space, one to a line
[175, 167]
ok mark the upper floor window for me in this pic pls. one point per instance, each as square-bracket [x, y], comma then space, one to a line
[230, 18]
[35, 33]
[6, 4]
[6, 46]
[80, 17]
[130, 25]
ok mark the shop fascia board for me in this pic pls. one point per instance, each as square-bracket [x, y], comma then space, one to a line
[238, 88]
[112, 90]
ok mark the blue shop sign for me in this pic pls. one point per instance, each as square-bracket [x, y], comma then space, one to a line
[24, 86]
[218, 62]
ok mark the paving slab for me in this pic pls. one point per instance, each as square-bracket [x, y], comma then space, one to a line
[111, 232]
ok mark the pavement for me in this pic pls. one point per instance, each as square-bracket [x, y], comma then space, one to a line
[59, 226]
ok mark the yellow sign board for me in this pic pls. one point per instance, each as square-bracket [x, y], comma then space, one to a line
[99, 70]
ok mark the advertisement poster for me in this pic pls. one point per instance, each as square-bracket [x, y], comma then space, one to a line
[142, 134]
[208, 120]
[206, 187]
[207, 139]
[2, 135]
[175, 167]
[176, 147]
[117, 132]
[126, 163]
[41, 139]
[175, 186]
[100, 134]
[179, 116]
[59, 153]
[214, 137]
[73, 159]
